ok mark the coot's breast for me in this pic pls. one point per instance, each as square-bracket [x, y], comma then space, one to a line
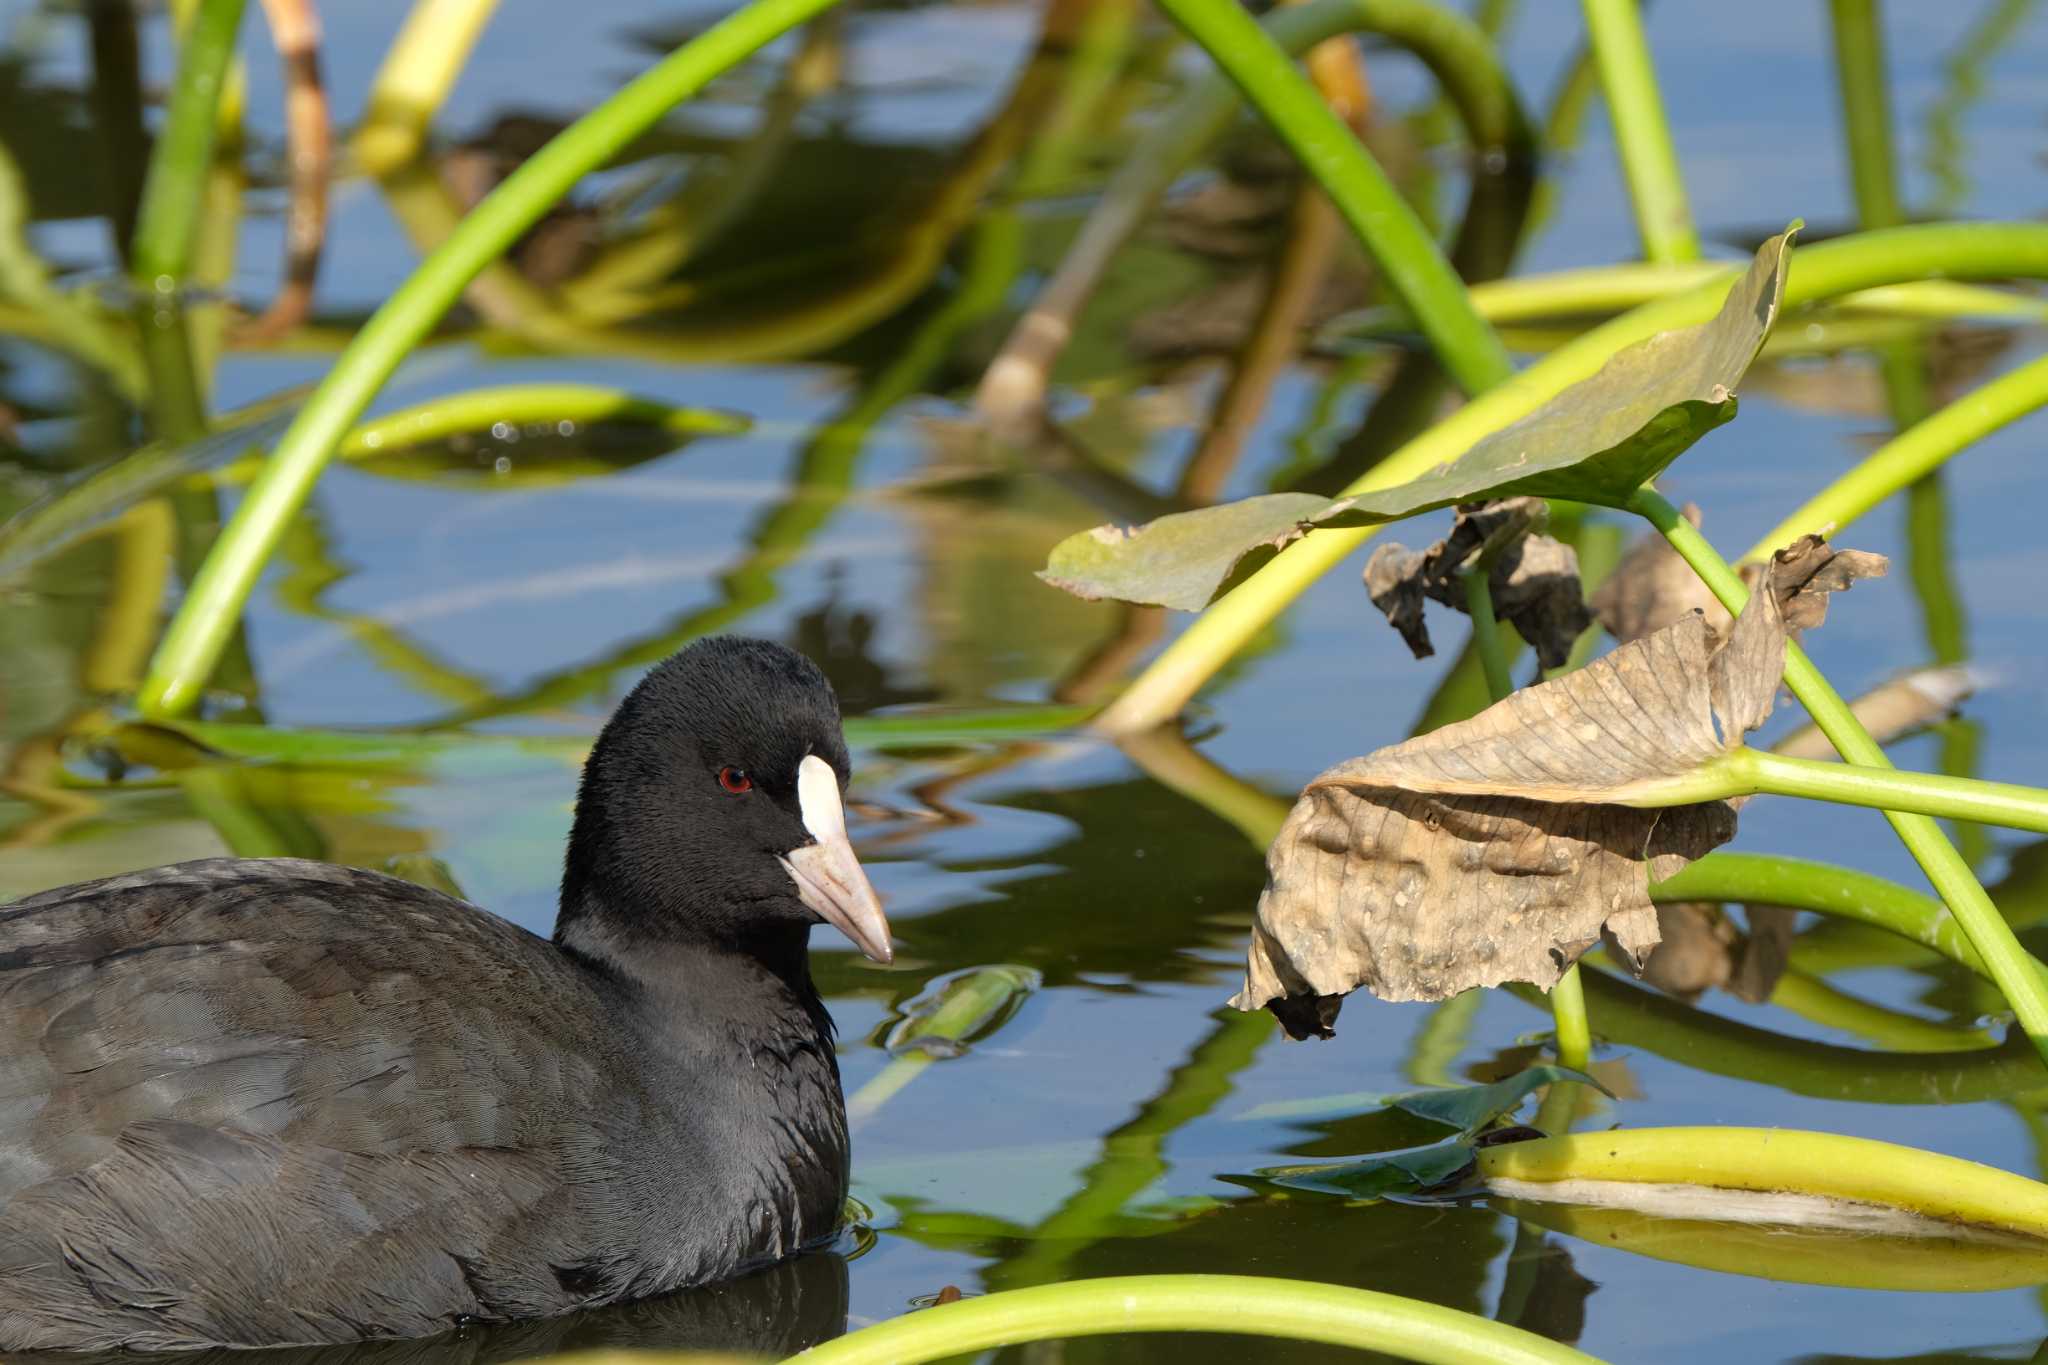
[279, 1101]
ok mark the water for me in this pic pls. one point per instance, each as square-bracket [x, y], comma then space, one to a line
[1097, 1130]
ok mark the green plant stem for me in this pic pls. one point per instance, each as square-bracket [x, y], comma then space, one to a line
[1913, 454]
[169, 218]
[1493, 657]
[1413, 265]
[1885, 788]
[2009, 965]
[1641, 134]
[1574, 1031]
[1839, 892]
[1567, 997]
[1826, 270]
[967, 1009]
[1866, 112]
[1240, 1305]
[206, 617]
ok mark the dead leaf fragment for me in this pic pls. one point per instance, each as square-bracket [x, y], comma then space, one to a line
[1808, 570]
[1894, 709]
[1499, 848]
[1652, 588]
[1534, 581]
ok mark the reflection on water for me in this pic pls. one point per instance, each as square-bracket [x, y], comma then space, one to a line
[776, 1313]
[832, 246]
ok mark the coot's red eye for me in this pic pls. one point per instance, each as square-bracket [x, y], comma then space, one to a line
[735, 780]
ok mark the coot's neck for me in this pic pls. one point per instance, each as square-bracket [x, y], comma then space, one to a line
[761, 983]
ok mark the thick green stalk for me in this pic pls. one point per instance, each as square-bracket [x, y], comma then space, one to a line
[207, 616]
[1641, 134]
[1240, 1305]
[169, 218]
[2011, 969]
[1408, 256]
[1825, 270]
[1913, 454]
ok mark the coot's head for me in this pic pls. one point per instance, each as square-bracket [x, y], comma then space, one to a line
[710, 811]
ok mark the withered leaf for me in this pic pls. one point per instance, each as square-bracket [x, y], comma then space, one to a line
[1808, 570]
[1534, 579]
[1499, 848]
[1893, 709]
[1652, 588]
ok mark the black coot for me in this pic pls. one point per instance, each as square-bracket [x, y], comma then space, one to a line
[263, 1102]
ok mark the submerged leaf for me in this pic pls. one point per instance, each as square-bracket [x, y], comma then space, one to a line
[1498, 849]
[1534, 580]
[1597, 441]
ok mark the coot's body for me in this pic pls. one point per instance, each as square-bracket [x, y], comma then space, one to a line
[259, 1102]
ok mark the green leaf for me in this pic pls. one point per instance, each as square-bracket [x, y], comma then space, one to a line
[1468, 1108]
[1597, 441]
[1375, 1177]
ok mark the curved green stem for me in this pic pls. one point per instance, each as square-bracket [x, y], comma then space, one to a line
[1409, 257]
[2009, 965]
[1826, 270]
[206, 617]
[1913, 454]
[169, 218]
[1640, 132]
[1839, 892]
[1241, 1305]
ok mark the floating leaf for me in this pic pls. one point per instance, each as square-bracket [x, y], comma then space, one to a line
[1468, 1108]
[1499, 848]
[1597, 441]
[1379, 1176]
[1534, 580]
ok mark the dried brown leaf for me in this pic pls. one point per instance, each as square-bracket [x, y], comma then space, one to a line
[1894, 709]
[1497, 849]
[1652, 588]
[1808, 570]
[1534, 580]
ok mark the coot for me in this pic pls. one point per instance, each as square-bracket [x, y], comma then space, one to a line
[259, 1102]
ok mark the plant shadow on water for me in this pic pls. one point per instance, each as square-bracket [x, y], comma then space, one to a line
[774, 310]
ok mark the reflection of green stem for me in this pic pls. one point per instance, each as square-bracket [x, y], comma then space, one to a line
[1959, 251]
[1722, 1047]
[1133, 1155]
[1441, 1038]
[169, 219]
[478, 410]
[206, 617]
[2010, 967]
[1641, 134]
[1816, 1001]
[1240, 1305]
[1866, 113]
[824, 478]
[1944, 155]
[418, 72]
[1911, 455]
[1408, 257]
[52, 316]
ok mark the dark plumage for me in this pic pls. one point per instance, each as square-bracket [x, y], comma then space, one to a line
[265, 1102]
